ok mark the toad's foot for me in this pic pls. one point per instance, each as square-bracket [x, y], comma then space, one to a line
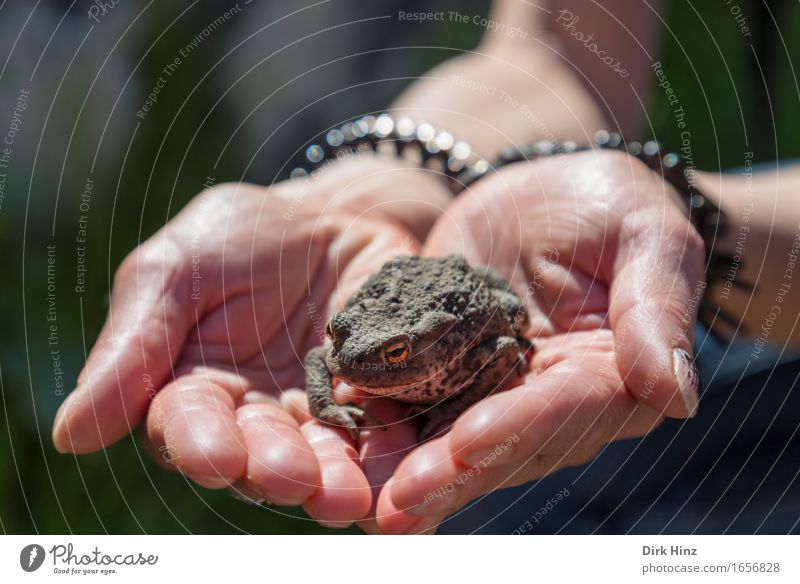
[347, 417]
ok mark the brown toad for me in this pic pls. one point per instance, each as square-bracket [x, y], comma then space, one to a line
[427, 331]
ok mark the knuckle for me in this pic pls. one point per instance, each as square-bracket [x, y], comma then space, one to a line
[220, 192]
[632, 228]
[158, 256]
[695, 246]
[597, 432]
[617, 159]
[223, 200]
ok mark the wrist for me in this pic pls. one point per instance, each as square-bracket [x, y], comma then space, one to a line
[762, 243]
[487, 98]
[367, 184]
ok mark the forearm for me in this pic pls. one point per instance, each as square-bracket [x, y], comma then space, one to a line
[509, 90]
[763, 213]
[544, 81]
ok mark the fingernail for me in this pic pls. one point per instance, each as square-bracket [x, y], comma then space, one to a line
[688, 379]
[67, 442]
[60, 439]
[335, 524]
[211, 482]
[62, 409]
[59, 414]
[58, 443]
[244, 493]
[60, 448]
[56, 430]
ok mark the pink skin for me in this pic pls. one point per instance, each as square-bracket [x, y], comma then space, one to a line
[608, 306]
[611, 300]
[613, 273]
[206, 374]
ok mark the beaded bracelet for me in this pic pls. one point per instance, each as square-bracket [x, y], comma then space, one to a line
[454, 160]
[435, 149]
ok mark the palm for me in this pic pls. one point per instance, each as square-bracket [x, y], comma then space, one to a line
[214, 314]
[585, 273]
[267, 283]
[566, 295]
[272, 302]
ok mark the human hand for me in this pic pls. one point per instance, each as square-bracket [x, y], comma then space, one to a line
[610, 270]
[211, 318]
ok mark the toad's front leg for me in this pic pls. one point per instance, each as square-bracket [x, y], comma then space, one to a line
[319, 389]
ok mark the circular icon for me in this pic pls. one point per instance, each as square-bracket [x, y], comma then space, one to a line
[31, 557]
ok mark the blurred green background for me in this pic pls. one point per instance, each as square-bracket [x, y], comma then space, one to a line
[217, 119]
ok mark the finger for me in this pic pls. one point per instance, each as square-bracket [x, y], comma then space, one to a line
[559, 419]
[193, 423]
[157, 452]
[344, 495]
[431, 483]
[364, 246]
[657, 284]
[259, 397]
[295, 402]
[381, 451]
[145, 329]
[447, 486]
[394, 514]
[561, 408]
[281, 466]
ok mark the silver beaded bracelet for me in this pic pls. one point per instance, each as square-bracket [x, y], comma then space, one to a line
[433, 148]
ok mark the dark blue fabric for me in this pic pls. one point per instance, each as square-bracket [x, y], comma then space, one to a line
[734, 468]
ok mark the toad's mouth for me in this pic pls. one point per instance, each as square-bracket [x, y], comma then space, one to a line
[380, 387]
[391, 383]
[383, 390]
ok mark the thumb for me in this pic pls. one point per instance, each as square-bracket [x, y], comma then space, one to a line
[657, 283]
[365, 244]
[144, 331]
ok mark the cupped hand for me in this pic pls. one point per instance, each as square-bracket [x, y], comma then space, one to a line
[210, 320]
[610, 270]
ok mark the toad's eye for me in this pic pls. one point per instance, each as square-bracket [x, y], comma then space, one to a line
[396, 352]
[329, 330]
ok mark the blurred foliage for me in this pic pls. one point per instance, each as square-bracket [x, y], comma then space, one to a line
[81, 123]
[739, 94]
